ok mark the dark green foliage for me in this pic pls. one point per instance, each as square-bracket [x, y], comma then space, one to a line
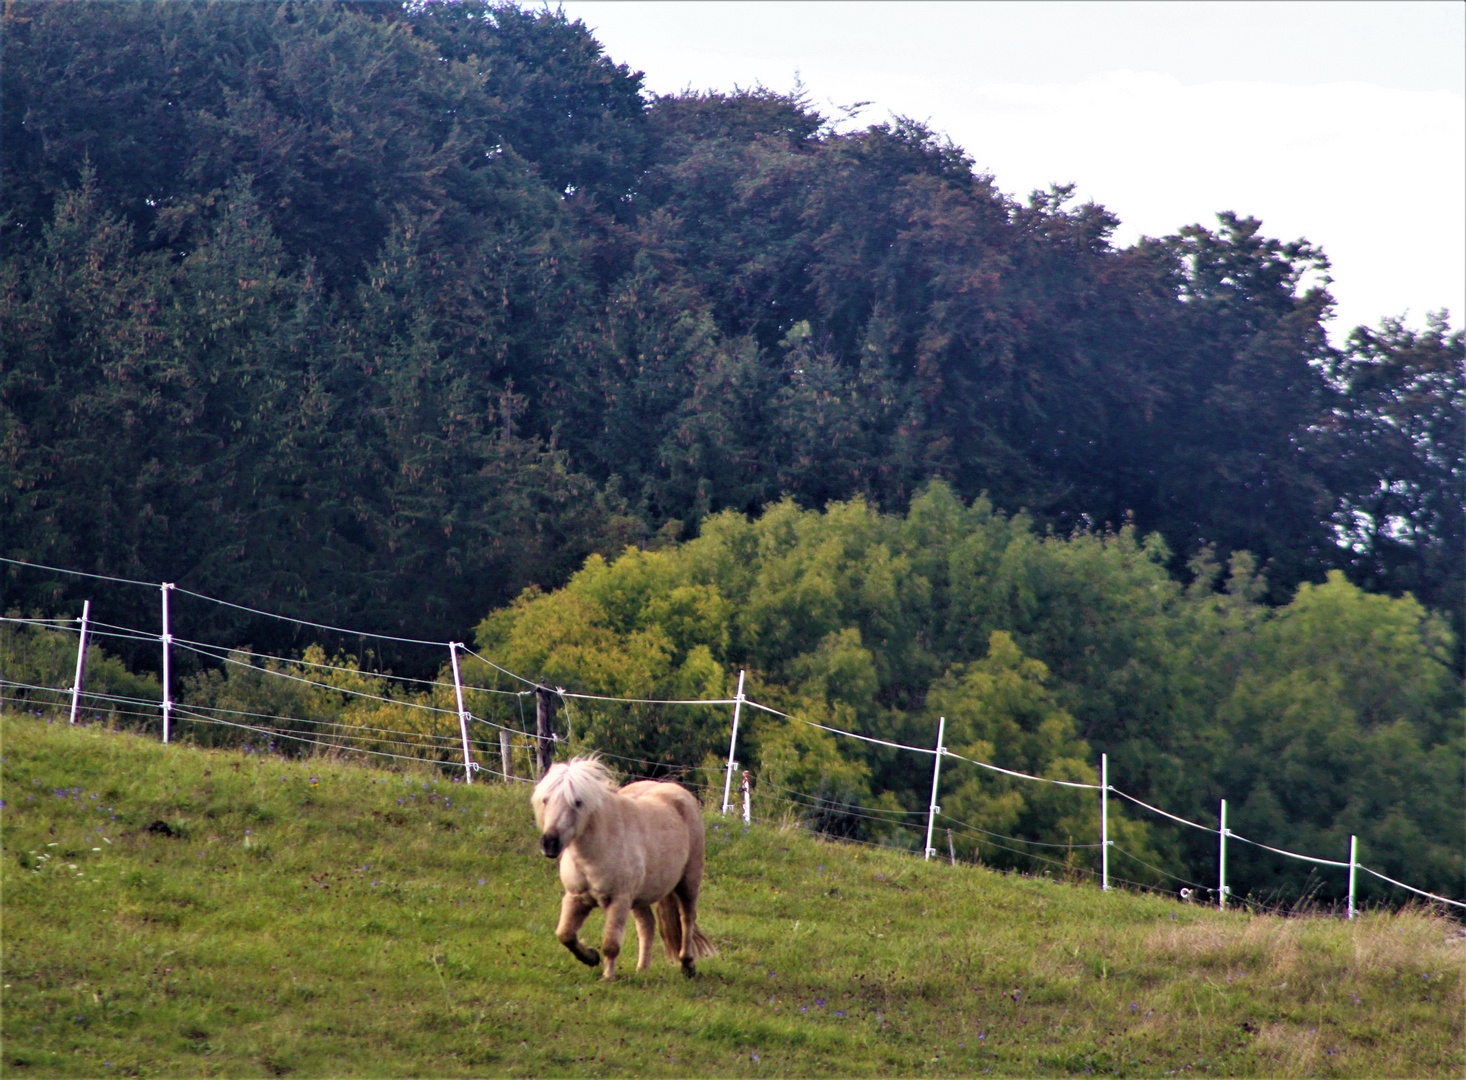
[211, 418]
[1393, 451]
[211, 376]
[342, 119]
[381, 285]
[560, 102]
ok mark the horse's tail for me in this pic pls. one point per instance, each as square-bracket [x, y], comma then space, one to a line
[669, 916]
[701, 945]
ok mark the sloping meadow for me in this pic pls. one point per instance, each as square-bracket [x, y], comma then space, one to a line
[186, 912]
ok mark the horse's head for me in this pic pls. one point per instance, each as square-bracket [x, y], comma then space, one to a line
[571, 792]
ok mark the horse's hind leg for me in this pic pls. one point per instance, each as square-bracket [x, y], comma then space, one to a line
[616, 913]
[687, 905]
[646, 931]
[573, 912]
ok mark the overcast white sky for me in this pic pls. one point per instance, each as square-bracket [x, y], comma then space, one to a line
[1344, 123]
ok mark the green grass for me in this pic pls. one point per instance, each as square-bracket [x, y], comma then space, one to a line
[326, 919]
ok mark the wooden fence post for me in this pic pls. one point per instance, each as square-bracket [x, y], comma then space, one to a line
[544, 734]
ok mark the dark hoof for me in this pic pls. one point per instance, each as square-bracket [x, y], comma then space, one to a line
[590, 958]
[689, 967]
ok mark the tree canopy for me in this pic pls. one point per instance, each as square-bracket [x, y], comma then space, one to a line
[440, 292]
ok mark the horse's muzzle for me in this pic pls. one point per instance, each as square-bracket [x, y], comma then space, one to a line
[550, 845]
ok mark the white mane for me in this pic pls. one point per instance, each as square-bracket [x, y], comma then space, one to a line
[582, 781]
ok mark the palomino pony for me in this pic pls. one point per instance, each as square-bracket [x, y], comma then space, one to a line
[624, 851]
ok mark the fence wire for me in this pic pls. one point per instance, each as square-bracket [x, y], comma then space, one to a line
[222, 655]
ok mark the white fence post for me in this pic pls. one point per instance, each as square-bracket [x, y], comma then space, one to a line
[462, 713]
[733, 745]
[1222, 860]
[1104, 822]
[1353, 865]
[934, 810]
[747, 798]
[167, 667]
[81, 659]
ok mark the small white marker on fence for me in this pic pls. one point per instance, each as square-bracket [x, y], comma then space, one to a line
[931, 814]
[167, 667]
[1104, 822]
[81, 659]
[1353, 865]
[453, 647]
[1222, 860]
[733, 746]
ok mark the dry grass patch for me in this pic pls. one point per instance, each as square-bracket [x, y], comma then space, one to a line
[1290, 1050]
[1414, 941]
[1326, 993]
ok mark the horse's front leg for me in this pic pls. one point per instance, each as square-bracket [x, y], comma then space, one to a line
[573, 912]
[616, 912]
[646, 931]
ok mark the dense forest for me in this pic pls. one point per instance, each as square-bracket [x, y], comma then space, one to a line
[381, 316]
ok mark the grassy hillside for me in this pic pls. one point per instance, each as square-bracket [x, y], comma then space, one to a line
[171, 911]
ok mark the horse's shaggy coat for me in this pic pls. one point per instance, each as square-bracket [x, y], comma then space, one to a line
[624, 851]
